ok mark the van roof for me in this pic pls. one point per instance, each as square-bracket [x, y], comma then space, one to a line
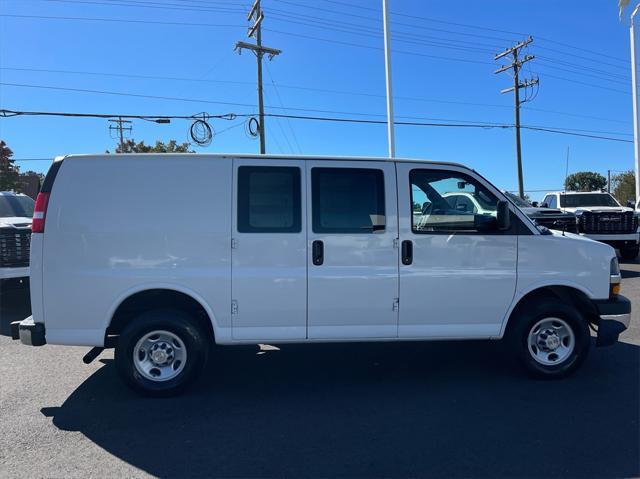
[254, 155]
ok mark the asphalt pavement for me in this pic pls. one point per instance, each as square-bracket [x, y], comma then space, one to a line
[344, 410]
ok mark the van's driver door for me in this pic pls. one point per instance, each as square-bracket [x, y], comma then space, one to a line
[457, 270]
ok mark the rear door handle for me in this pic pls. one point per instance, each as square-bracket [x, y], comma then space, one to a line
[407, 252]
[317, 252]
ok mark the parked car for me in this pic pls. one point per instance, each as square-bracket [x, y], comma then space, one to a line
[16, 211]
[241, 249]
[601, 218]
[553, 219]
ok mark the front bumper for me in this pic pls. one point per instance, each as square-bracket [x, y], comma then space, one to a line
[29, 332]
[627, 239]
[615, 316]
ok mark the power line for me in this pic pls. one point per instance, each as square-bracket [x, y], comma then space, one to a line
[350, 26]
[9, 113]
[207, 25]
[285, 108]
[161, 6]
[122, 20]
[477, 27]
[578, 82]
[304, 88]
[293, 133]
[4, 113]
[298, 35]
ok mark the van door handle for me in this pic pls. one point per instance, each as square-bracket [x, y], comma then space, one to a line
[317, 252]
[407, 252]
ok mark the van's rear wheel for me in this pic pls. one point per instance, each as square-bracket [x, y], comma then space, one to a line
[551, 338]
[161, 352]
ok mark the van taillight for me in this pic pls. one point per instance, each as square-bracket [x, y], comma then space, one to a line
[40, 213]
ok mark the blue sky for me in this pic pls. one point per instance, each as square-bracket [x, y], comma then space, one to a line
[331, 62]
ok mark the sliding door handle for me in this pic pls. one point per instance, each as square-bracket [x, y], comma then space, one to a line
[407, 252]
[317, 252]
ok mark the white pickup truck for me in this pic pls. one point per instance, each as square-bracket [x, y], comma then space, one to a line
[601, 218]
[168, 255]
[16, 211]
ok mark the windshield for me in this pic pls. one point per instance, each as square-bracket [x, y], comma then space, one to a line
[587, 199]
[520, 203]
[11, 205]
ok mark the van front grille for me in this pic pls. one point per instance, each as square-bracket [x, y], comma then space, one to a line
[14, 247]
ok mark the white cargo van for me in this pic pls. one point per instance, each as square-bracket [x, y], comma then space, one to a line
[163, 256]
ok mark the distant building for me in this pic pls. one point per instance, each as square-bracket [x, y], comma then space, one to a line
[30, 184]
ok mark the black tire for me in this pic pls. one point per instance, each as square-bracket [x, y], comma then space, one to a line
[629, 254]
[195, 341]
[528, 315]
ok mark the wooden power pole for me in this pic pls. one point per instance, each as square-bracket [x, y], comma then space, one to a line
[516, 65]
[257, 15]
[122, 126]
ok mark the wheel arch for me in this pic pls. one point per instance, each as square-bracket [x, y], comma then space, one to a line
[158, 296]
[569, 294]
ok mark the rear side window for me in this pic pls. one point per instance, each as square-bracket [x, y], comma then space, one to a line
[269, 199]
[347, 200]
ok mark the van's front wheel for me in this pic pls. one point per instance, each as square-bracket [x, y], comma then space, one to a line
[551, 338]
[160, 352]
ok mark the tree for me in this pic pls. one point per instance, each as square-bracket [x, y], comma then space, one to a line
[585, 181]
[130, 146]
[9, 171]
[624, 186]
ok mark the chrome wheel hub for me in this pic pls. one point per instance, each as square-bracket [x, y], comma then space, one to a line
[159, 355]
[551, 341]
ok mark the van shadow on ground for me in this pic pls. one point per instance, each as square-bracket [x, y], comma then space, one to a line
[396, 410]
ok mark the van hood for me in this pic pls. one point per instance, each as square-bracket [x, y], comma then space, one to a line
[15, 221]
[583, 239]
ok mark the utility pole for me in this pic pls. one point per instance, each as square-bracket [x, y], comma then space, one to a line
[516, 65]
[608, 181]
[120, 126]
[257, 15]
[387, 65]
[636, 107]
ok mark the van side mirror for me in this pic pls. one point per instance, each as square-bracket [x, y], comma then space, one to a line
[503, 217]
[534, 204]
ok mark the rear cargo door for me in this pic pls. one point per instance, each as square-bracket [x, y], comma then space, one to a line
[269, 250]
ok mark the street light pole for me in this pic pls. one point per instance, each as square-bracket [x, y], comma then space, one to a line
[387, 65]
[636, 120]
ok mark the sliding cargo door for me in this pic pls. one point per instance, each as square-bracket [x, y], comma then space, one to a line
[269, 250]
[352, 261]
